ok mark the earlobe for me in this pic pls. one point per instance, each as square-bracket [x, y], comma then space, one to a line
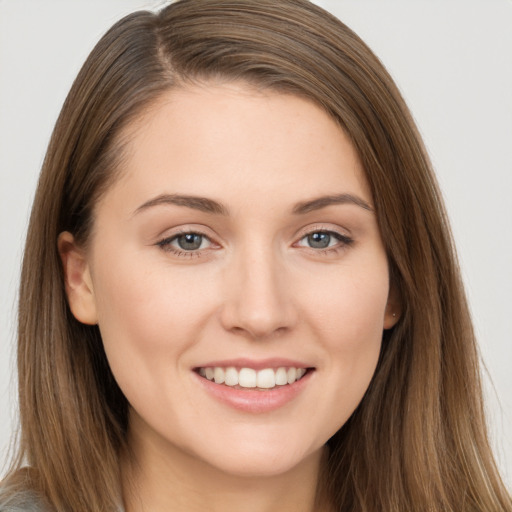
[393, 310]
[77, 279]
[390, 320]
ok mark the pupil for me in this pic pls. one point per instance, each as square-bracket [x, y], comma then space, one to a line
[190, 241]
[319, 240]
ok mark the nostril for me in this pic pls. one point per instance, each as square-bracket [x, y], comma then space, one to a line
[258, 308]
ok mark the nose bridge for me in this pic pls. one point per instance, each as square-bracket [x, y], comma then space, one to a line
[258, 301]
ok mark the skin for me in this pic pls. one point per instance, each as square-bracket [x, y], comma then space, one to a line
[255, 289]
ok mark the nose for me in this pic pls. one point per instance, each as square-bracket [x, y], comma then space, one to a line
[258, 298]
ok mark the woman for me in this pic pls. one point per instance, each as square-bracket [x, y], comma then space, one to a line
[239, 289]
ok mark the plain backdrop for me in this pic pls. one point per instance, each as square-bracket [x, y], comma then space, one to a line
[452, 60]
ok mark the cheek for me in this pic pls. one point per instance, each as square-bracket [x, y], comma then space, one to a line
[147, 320]
[355, 334]
[145, 299]
[347, 318]
[348, 305]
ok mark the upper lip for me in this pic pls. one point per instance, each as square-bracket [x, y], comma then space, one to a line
[275, 362]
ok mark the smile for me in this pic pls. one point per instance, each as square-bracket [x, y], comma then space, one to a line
[255, 386]
[240, 378]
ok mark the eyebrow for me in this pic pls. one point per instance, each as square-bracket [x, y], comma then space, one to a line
[206, 205]
[324, 201]
[202, 204]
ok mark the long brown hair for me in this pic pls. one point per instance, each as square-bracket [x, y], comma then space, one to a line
[418, 439]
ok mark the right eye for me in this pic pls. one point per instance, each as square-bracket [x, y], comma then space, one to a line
[188, 242]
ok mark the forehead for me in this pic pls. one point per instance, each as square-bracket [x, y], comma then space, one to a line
[232, 140]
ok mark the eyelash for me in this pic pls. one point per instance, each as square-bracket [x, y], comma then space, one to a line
[343, 241]
[165, 243]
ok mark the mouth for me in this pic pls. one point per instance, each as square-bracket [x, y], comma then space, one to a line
[245, 378]
[255, 387]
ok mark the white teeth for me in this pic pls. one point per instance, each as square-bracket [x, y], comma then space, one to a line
[281, 377]
[231, 376]
[292, 375]
[247, 378]
[218, 375]
[267, 378]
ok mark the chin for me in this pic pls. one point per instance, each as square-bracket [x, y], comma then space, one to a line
[254, 460]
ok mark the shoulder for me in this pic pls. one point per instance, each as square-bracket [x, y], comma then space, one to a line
[21, 502]
[17, 493]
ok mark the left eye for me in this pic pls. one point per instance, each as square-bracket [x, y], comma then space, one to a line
[321, 240]
[186, 242]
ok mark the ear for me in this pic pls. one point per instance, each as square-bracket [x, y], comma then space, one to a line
[77, 279]
[393, 309]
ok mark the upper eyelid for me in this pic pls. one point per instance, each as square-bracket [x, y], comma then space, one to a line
[325, 228]
[170, 233]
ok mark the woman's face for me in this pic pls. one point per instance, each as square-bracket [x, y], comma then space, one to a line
[238, 244]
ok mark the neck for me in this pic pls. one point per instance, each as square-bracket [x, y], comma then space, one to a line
[157, 478]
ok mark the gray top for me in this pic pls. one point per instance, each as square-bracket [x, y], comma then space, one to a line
[21, 502]
[27, 501]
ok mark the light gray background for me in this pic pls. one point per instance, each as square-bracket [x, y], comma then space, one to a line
[452, 60]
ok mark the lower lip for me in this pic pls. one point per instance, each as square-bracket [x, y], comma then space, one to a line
[253, 400]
